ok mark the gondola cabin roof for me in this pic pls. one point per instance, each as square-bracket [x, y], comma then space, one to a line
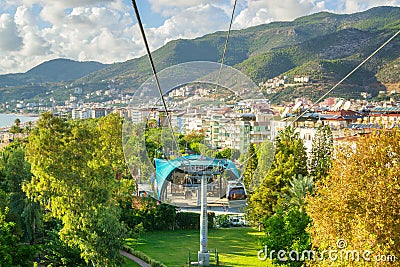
[191, 164]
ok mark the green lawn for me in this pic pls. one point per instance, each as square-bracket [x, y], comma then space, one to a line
[236, 246]
[130, 263]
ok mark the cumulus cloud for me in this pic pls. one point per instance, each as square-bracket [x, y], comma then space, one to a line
[9, 35]
[103, 32]
[350, 6]
[82, 32]
[32, 31]
[168, 7]
[192, 23]
[92, 33]
[33, 43]
[265, 11]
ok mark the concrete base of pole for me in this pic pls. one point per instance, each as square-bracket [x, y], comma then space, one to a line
[204, 258]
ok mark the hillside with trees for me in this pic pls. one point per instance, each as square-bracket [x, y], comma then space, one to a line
[324, 46]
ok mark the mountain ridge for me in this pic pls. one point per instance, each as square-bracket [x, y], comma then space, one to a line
[54, 70]
[338, 41]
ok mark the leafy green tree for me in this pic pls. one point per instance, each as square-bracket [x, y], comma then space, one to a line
[201, 149]
[151, 214]
[57, 253]
[28, 127]
[76, 165]
[7, 240]
[12, 252]
[321, 153]
[286, 228]
[193, 137]
[135, 150]
[265, 155]
[223, 220]
[153, 139]
[225, 153]
[15, 172]
[165, 217]
[290, 161]
[15, 129]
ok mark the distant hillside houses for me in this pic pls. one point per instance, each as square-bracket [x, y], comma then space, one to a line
[301, 79]
[186, 91]
[283, 82]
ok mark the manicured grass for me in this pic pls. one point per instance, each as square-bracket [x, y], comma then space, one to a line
[130, 263]
[236, 246]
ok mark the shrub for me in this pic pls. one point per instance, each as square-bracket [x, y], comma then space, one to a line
[144, 257]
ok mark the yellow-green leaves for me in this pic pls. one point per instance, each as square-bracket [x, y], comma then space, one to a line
[359, 201]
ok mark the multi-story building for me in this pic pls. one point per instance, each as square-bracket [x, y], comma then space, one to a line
[80, 114]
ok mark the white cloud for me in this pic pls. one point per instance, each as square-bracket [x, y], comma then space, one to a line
[92, 33]
[9, 35]
[265, 11]
[82, 32]
[32, 31]
[33, 43]
[99, 32]
[350, 6]
[168, 7]
[191, 23]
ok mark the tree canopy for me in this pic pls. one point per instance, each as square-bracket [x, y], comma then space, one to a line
[290, 161]
[77, 166]
[359, 201]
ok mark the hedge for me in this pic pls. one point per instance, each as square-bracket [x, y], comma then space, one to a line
[144, 257]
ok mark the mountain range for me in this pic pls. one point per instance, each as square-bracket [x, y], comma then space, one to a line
[323, 46]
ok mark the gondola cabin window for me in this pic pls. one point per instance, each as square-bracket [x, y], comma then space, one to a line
[237, 193]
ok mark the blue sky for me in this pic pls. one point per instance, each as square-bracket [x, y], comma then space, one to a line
[33, 31]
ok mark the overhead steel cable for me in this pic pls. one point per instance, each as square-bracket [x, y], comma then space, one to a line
[334, 87]
[226, 45]
[154, 71]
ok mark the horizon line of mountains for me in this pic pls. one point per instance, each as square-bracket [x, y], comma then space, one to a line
[323, 46]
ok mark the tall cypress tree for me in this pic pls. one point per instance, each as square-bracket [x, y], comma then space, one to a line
[321, 153]
[251, 166]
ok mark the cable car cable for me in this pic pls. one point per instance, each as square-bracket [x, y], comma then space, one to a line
[226, 45]
[154, 70]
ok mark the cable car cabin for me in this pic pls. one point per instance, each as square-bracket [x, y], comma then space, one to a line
[143, 193]
[236, 194]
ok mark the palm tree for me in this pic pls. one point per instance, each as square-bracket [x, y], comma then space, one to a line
[17, 122]
[299, 188]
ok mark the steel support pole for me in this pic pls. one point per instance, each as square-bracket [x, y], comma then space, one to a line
[203, 254]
